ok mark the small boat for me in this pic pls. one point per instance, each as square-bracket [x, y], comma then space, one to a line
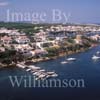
[95, 57]
[37, 78]
[35, 73]
[48, 76]
[41, 77]
[21, 66]
[34, 67]
[28, 70]
[42, 70]
[50, 73]
[71, 59]
[98, 52]
[64, 62]
[54, 75]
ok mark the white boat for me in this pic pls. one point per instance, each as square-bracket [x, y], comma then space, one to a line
[64, 62]
[49, 73]
[37, 78]
[54, 75]
[95, 57]
[71, 59]
[98, 52]
[28, 69]
[35, 73]
[48, 76]
[42, 70]
[34, 67]
[21, 66]
[42, 77]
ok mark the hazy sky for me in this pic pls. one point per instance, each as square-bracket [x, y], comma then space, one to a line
[81, 11]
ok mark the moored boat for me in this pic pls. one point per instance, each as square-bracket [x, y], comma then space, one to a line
[95, 57]
[71, 59]
[64, 62]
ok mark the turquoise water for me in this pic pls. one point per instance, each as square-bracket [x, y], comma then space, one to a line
[83, 68]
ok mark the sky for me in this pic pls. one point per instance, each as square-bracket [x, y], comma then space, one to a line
[72, 11]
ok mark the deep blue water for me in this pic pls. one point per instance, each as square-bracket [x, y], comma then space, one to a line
[83, 68]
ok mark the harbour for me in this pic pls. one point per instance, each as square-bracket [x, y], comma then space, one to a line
[83, 68]
[37, 71]
[66, 70]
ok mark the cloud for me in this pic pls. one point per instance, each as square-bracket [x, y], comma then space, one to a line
[4, 4]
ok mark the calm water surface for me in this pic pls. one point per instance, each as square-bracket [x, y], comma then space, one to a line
[83, 68]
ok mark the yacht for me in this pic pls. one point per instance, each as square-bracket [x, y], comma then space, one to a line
[42, 70]
[41, 76]
[64, 62]
[71, 59]
[95, 57]
[50, 73]
[28, 70]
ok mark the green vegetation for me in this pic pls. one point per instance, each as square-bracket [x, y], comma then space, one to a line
[66, 46]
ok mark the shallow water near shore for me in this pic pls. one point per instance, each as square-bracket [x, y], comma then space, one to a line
[83, 68]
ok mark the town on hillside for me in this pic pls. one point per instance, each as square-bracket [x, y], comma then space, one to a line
[34, 43]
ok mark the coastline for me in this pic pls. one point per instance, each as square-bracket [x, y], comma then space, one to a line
[60, 55]
[43, 59]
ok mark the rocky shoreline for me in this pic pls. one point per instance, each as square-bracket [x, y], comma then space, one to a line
[55, 57]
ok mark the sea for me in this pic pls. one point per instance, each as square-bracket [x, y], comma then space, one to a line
[83, 68]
